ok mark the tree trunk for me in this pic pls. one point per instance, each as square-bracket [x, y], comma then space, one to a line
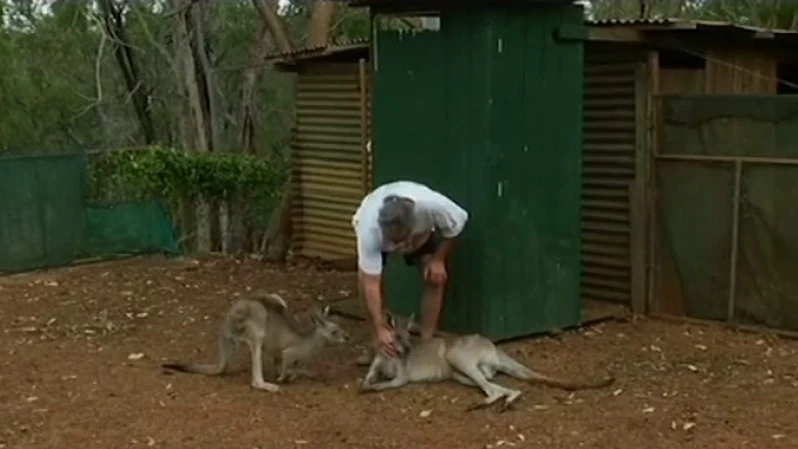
[276, 241]
[210, 93]
[136, 87]
[191, 83]
[275, 26]
[247, 120]
[321, 20]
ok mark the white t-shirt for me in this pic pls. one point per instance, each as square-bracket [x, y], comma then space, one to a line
[433, 211]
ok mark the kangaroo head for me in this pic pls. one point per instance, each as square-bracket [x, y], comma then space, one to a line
[401, 328]
[326, 327]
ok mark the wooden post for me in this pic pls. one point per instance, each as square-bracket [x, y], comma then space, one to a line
[637, 251]
[365, 147]
[651, 199]
[735, 231]
[637, 193]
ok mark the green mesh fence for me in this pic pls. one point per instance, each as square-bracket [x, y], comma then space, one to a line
[696, 209]
[42, 220]
[129, 228]
[45, 220]
[767, 288]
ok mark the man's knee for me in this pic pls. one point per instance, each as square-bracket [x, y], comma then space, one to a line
[436, 284]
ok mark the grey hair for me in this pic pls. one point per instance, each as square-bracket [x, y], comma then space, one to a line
[396, 216]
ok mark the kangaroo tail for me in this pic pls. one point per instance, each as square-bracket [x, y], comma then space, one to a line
[226, 352]
[274, 302]
[513, 368]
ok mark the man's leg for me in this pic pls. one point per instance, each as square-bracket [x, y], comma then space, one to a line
[432, 305]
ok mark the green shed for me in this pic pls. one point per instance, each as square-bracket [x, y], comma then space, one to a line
[485, 105]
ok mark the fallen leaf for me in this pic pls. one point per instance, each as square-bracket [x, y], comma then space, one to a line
[300, 442]
[778, 436]
[136, 356]
[425, 413]
[701, 347]
[617, 392]
[150, 441]
[32, 399]
[688, 425]
[648, 409]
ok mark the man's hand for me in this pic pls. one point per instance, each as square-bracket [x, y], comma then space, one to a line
[435, 271]
[384, 340]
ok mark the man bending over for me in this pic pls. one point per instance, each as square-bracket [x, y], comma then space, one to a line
[412, 219]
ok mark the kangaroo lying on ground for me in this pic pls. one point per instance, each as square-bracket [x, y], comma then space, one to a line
[264, 324]
[472, 360]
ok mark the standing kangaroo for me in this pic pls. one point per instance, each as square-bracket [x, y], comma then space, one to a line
[264, 324]
[472, 360]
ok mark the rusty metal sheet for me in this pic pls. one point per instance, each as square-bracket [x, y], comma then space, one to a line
[326, 160]
[608, 170]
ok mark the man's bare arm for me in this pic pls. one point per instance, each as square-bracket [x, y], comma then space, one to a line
[370, 285]
[444, 249]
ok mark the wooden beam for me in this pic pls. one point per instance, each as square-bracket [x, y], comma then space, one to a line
[614, 34]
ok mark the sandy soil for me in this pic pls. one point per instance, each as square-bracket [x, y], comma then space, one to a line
[81, 349]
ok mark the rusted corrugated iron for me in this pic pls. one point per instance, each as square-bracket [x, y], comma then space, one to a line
[608, 171]
[327, 161]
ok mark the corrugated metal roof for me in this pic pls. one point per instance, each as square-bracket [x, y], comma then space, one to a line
[649, 25]
[683, 24]
[630, 22]
[338, 46]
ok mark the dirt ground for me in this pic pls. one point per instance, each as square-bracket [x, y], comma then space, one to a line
[81, 349]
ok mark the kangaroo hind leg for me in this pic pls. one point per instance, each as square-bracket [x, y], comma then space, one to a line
[469, 368]
[255, 342]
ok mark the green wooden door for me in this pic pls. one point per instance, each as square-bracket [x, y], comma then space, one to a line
[488, 111]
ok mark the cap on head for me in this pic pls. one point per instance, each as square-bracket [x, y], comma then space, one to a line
[396, 217]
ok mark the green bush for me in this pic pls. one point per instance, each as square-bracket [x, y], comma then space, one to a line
[251, 185]
[175, 175]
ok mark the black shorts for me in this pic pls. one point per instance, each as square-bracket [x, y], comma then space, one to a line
[414, 258]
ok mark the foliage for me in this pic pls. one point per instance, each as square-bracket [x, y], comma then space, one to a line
[765, 13]
[177, 176]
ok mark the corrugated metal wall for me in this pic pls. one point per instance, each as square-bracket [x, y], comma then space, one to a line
[328, 179]
[608, 170]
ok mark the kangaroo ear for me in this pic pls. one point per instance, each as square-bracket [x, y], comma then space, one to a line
[325, 311]
[391, 319]
[316, 315]
[410, 320]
